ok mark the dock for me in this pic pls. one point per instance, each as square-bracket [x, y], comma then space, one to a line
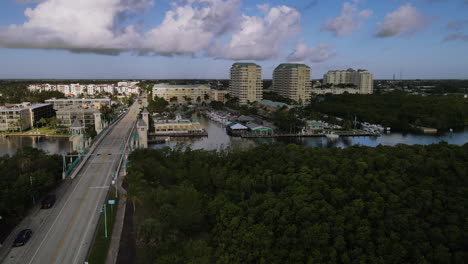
[161, 137]
[366, 134]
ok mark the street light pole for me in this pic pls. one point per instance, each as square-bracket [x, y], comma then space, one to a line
[105, 221]
[32, 194]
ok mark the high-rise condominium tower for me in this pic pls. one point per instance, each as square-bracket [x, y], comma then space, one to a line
[292, 81]
[246, 82]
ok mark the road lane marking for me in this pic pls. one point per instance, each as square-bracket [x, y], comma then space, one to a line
[72, 222]
[71, 195]
[81, 205]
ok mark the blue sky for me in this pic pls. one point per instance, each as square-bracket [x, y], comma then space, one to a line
[147, 39]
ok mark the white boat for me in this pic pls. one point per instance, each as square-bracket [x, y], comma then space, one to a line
[332, 135]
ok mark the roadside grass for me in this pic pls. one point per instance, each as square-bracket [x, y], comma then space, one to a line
[100, 244]
[33, 131]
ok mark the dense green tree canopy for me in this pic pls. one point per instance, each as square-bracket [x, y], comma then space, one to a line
[14, 93]
[287, 204]
[397, 110]
[25, 177]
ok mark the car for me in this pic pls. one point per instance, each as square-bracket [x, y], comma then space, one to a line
[48, 201]
[22, 237]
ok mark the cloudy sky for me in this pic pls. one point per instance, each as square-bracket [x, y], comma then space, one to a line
[202, 38]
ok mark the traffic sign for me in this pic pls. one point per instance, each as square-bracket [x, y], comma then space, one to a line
[111, 201]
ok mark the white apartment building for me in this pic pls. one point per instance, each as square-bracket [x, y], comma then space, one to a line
[183, 93]
[246, 82]
[76, 89]
[293, 81]
[361, 79]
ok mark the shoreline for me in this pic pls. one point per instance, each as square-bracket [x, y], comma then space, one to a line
[34, 135]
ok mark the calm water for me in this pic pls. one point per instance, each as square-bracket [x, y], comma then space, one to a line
[51, 145]
[218, 139]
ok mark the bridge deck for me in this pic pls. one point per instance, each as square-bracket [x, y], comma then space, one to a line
[63, 234]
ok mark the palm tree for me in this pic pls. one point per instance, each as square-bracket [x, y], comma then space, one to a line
[207, 97]
[42, 121]
[21, 122]
[11, 125]
[199, 99]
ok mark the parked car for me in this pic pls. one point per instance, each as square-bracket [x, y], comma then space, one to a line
[48, 201]
[22, 237]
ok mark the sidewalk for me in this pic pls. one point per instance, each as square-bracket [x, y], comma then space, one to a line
[118, 226]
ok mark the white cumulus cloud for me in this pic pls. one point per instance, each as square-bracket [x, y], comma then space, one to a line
[406, 20]
[85, 25]
[215, 28]
[316, 54]
[260, 38]
[188, 29]
[349, 20]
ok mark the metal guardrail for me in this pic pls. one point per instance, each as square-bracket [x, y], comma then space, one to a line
[81, 161]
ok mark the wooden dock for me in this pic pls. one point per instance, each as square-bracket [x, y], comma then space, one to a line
[204, 134]
[367, 134]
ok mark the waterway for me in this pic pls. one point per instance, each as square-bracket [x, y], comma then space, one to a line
[218, 139]
[9, 145]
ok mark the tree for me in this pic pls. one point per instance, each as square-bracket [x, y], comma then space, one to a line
[21, 123]
[52, 122]
[42, 121]
[206, 97]
[199, 99]
[174, 99]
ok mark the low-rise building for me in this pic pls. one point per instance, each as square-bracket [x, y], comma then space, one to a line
[335, 90]
[177, 126]
[361, 80]
[257, 129]
[183, 93]
[21, 117]
[81, 102]
[66, 116]
[219, 95]
[235, 129]
[272, 106]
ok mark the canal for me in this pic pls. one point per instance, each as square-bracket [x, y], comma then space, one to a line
[218, 139]
[9, 145]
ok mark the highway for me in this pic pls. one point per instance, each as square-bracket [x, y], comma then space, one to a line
[63, 233]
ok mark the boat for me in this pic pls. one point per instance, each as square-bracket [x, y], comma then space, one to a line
[332, 135]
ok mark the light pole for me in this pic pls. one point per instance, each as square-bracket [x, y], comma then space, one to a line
[105, 220]
[32, 194]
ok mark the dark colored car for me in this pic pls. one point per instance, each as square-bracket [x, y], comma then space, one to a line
[22, 237]
[48, 201]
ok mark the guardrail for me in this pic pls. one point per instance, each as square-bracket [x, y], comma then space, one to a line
[80, 162]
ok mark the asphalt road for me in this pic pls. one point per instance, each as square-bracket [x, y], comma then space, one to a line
[63, 233]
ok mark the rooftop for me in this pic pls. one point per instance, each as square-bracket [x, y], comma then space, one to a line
[244, 64]
[78, 99]
[291, 65]
[77, 109]
[163, 85]
[21, 107]
[76, 124]
[142, 123]
[273, 104]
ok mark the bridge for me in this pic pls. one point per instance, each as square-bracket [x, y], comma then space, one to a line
[64, 233]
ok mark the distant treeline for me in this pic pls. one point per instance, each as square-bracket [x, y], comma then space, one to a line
[25, 178]
[287, 204]
[397, 110]
[15, 93]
